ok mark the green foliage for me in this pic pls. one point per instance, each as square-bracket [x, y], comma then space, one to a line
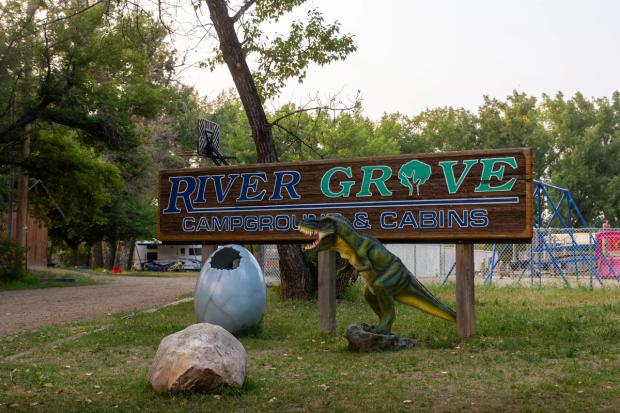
[575, 141]
[12, 261]
[587, 141]
[80, 72]
[516, 122]
[75, 185]
[93, 83]
[286, 56]
[226, 110]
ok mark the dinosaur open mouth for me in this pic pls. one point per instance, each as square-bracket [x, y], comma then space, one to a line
[309, 231]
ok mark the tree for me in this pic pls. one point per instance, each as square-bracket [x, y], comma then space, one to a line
[77, 72]
[282, 59]
[513, 123]
[441, 129]
[84, 78]
[587, 139]
[74, 186]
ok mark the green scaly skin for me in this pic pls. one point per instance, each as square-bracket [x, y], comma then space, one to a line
[387, 279]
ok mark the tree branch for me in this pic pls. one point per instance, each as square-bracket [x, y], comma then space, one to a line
[11, 99]
[289, 114]
[77, 12]
[242, 10]
[294, 135]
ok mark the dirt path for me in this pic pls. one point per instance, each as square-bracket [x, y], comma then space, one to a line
[27, 309]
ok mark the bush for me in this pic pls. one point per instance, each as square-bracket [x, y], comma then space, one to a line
[12, 261]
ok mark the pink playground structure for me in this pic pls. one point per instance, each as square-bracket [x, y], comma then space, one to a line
[608, 254]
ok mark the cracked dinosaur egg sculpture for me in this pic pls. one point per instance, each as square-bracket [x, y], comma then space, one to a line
[230, 291]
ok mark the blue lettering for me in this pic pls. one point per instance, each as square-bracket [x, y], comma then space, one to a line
[289, 185]
[250, 183]
[408, 219]
[220, 224]
[454, 216]
[283, 222]
[221, 194]
[176, 193]
[235, 222]
[203, 225]
[383, 219]
[185, 224]
[428, 219]
[265, 223]
[478, 218]
[251, 223]
[202, 188]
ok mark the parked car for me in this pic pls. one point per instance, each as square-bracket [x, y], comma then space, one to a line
[156, 266]
[174, 264]
[190, 264]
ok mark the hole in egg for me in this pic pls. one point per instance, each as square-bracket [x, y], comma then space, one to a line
[226, 258]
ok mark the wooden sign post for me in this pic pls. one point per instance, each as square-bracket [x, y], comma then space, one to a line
[465, 314]
[462, 197]
[327, 292]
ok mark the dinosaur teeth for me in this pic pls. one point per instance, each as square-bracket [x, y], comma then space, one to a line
[307, 231]
[313, 245]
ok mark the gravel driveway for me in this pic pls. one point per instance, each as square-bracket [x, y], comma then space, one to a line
[27, 309]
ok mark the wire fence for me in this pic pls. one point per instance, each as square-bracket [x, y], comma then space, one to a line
[566, 255]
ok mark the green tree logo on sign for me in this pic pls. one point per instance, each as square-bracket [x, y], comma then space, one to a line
[414, 173]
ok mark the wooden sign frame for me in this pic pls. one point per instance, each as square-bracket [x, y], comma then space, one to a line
[467, 196]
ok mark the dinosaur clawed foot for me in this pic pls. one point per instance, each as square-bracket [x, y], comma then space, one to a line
[375, 329]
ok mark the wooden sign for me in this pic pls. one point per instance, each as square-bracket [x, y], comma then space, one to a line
[446, 196]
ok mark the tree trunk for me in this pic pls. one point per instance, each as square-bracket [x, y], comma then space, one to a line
[296, 283]
[206, 251]
[297, 279]
[74, 255]
[110, 262]
[21, 228]
[130, 254]
[116, 256]
[96, 254]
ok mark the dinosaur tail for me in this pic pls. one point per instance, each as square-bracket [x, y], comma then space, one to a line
[419, 297]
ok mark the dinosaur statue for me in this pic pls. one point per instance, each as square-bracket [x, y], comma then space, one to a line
[387, 279]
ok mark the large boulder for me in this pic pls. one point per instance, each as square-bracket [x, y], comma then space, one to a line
[199, 358]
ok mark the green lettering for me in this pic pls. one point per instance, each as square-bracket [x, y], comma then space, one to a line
[345, 186]
[379, 182]
[489, 171]
[448, 173]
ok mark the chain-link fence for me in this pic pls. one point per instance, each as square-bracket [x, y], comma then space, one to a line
[572, 255]
[569, 255]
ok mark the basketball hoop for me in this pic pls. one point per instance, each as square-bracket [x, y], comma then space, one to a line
[209, 142]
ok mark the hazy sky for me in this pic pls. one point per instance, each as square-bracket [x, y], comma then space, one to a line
[414, 55]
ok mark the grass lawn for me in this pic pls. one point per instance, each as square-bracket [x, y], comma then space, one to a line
[538, 350]
[46, 279]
